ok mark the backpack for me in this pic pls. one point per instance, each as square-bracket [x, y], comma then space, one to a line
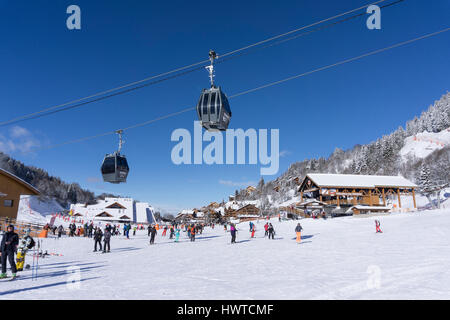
[31, 244]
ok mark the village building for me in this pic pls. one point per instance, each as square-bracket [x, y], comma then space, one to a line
[250, 190]
[115, 210]
[11, 188]
[245, 213]
[353, 194]
[190, 216]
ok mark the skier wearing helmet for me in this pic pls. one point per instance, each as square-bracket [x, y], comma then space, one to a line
[26, 243]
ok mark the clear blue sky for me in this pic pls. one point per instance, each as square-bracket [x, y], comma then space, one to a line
[42, 64]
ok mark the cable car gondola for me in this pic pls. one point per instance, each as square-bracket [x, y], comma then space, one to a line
[213, 109]
[115, 166]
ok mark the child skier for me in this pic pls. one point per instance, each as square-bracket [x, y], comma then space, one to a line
[233, 233]
[26, 243]
[298, 231]
[377, 227]
[164, 231]
[266, 228]
[253, 230]
[177, 234]
[271, 231]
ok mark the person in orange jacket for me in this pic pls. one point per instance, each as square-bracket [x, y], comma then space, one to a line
[298, 231]
[253, 231]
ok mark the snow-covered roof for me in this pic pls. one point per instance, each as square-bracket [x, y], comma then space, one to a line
[362, 207]
[359, 181]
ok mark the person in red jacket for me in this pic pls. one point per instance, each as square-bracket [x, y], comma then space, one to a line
[266, 228]
[377, 227]
[253, 231]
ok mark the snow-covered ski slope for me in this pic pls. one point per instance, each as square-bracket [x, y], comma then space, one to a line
[423, 144]
[33, 210]
[341, 258]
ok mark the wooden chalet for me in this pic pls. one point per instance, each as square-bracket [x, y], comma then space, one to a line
[358, 191]
[11, 188]
[247, 212]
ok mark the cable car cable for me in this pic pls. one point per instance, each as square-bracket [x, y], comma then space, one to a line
[254, 89]
[68, 105]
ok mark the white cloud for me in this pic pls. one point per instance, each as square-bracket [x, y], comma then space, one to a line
[237, 184]
[284, 153]
[18, 139]
[18, 132]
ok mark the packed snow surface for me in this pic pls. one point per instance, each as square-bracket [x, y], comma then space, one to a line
[340, 258]
[423, 144]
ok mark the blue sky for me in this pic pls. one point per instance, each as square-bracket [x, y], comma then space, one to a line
[43, 63]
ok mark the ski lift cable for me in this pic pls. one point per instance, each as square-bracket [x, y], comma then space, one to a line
[254, 89]
[69, 105]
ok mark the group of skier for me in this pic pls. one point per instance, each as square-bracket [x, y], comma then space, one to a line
[98, 235]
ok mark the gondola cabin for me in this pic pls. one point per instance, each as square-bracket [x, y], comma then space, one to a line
[115, 168]
[213, 109]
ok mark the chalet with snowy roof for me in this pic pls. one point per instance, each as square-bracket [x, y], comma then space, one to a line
[115, 210]
[194, 215]
[247, 212]
[364, 193]
[11, 188]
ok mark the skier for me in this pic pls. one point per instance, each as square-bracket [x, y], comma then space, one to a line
[177, 234]
[172, 232]
[250, 226]
[298, 231]
[377, 227]
[26, 243]
[266, 227]
[164, 231]
[153, 233]
[193, 233]
[134, 230]
[106, 240]
[98, 234]
[271, 231]
[225, 227]
[60, 231]
[9, 244]
[233, 233]
[253, 230]
[91, 229]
